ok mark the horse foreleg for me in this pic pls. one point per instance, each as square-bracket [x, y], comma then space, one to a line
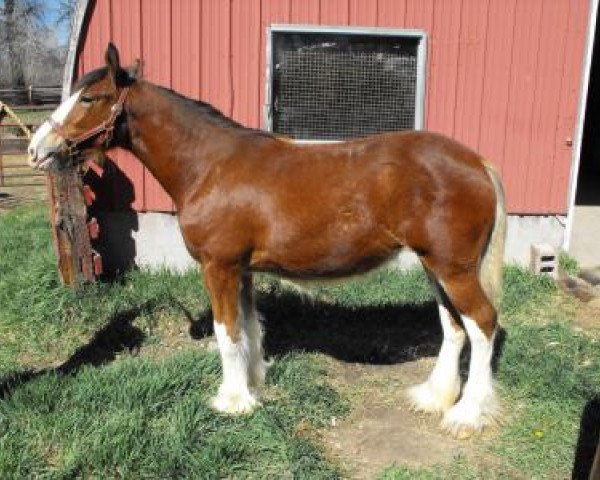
[253, 325]
[230, 318]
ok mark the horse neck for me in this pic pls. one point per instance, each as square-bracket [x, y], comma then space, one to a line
[176, 146]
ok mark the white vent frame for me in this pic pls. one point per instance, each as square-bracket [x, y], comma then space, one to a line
[419, 35]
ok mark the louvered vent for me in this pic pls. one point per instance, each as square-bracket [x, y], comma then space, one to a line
[338, 85]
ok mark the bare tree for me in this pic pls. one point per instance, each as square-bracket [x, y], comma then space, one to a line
[66, 8]
[29, 49]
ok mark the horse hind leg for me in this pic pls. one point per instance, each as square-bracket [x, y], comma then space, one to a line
[441, 389]
[478, 407]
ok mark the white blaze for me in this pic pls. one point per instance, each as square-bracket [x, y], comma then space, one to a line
[59, 115]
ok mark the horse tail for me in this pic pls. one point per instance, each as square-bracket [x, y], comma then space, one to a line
[492, 260]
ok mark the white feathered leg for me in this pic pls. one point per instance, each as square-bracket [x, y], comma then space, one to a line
[478, 406]
[258, 365]
[440, 391]
[234, 395]
[244, 367]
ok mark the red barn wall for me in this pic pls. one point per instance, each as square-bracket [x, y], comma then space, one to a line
[503, 76]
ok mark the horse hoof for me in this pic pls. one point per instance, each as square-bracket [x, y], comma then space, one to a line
[464, 432]
[464, 420]
[234, 403]
[422, 398]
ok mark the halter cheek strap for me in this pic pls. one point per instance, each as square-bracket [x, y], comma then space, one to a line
[104, 131]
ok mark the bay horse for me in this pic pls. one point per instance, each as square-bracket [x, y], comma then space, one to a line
[248, 201]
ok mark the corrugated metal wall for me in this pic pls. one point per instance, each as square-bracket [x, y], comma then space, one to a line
[503, 76]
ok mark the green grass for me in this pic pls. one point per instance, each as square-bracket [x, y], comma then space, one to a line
[138, 414]
[27, 117]
[37, 310]
[149, 418]
[568, 264]
[135, 417]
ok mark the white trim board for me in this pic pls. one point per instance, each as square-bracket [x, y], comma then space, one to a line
[581, 112]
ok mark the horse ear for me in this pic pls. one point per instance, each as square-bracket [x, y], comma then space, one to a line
[112, 61]
[135, 71]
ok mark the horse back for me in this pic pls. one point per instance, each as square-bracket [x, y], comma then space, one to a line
[329, 209]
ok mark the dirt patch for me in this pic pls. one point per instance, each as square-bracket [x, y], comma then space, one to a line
[382, 431]
[581, 299]
[587, 317]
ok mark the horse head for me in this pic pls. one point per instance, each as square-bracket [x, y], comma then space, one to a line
[91, 119]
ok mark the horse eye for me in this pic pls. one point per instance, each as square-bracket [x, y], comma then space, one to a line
[86, 100]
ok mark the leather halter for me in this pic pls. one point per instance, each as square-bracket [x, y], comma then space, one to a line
[104, 131]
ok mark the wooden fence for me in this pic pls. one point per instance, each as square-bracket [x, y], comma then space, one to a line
[31, 95]
[18, 182]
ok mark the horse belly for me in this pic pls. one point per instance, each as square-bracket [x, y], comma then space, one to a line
[329, 255]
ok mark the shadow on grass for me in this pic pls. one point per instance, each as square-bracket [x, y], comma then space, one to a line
[588, 442]
[376, 335]
[117, 336]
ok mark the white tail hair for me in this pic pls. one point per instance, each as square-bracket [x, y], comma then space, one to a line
[492, 261]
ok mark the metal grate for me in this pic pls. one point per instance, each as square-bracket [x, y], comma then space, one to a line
[332, 86]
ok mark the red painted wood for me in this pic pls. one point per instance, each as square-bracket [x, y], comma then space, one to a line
[363, 12]
[216, 76]
[185, 48]
[335, 12]
[245, 61]
[555, 16]
[443, 52]
[305, 12]
[569, 96]
[127, 35]
[471, 62]
[495, 95]
[502, 75]
[156, 48]
[525, 60]
[392, 13]
[420, 14]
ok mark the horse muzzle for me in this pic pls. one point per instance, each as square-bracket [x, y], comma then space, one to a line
[43, 152]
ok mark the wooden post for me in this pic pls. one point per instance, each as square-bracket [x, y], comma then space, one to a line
[2, 114]
[68, 215]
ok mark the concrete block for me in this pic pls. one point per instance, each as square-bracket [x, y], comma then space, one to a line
[544, 260]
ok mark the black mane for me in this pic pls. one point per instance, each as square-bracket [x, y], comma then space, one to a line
[207, 112]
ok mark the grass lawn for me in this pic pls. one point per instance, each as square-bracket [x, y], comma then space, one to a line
[28, 116]
[113, 381]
